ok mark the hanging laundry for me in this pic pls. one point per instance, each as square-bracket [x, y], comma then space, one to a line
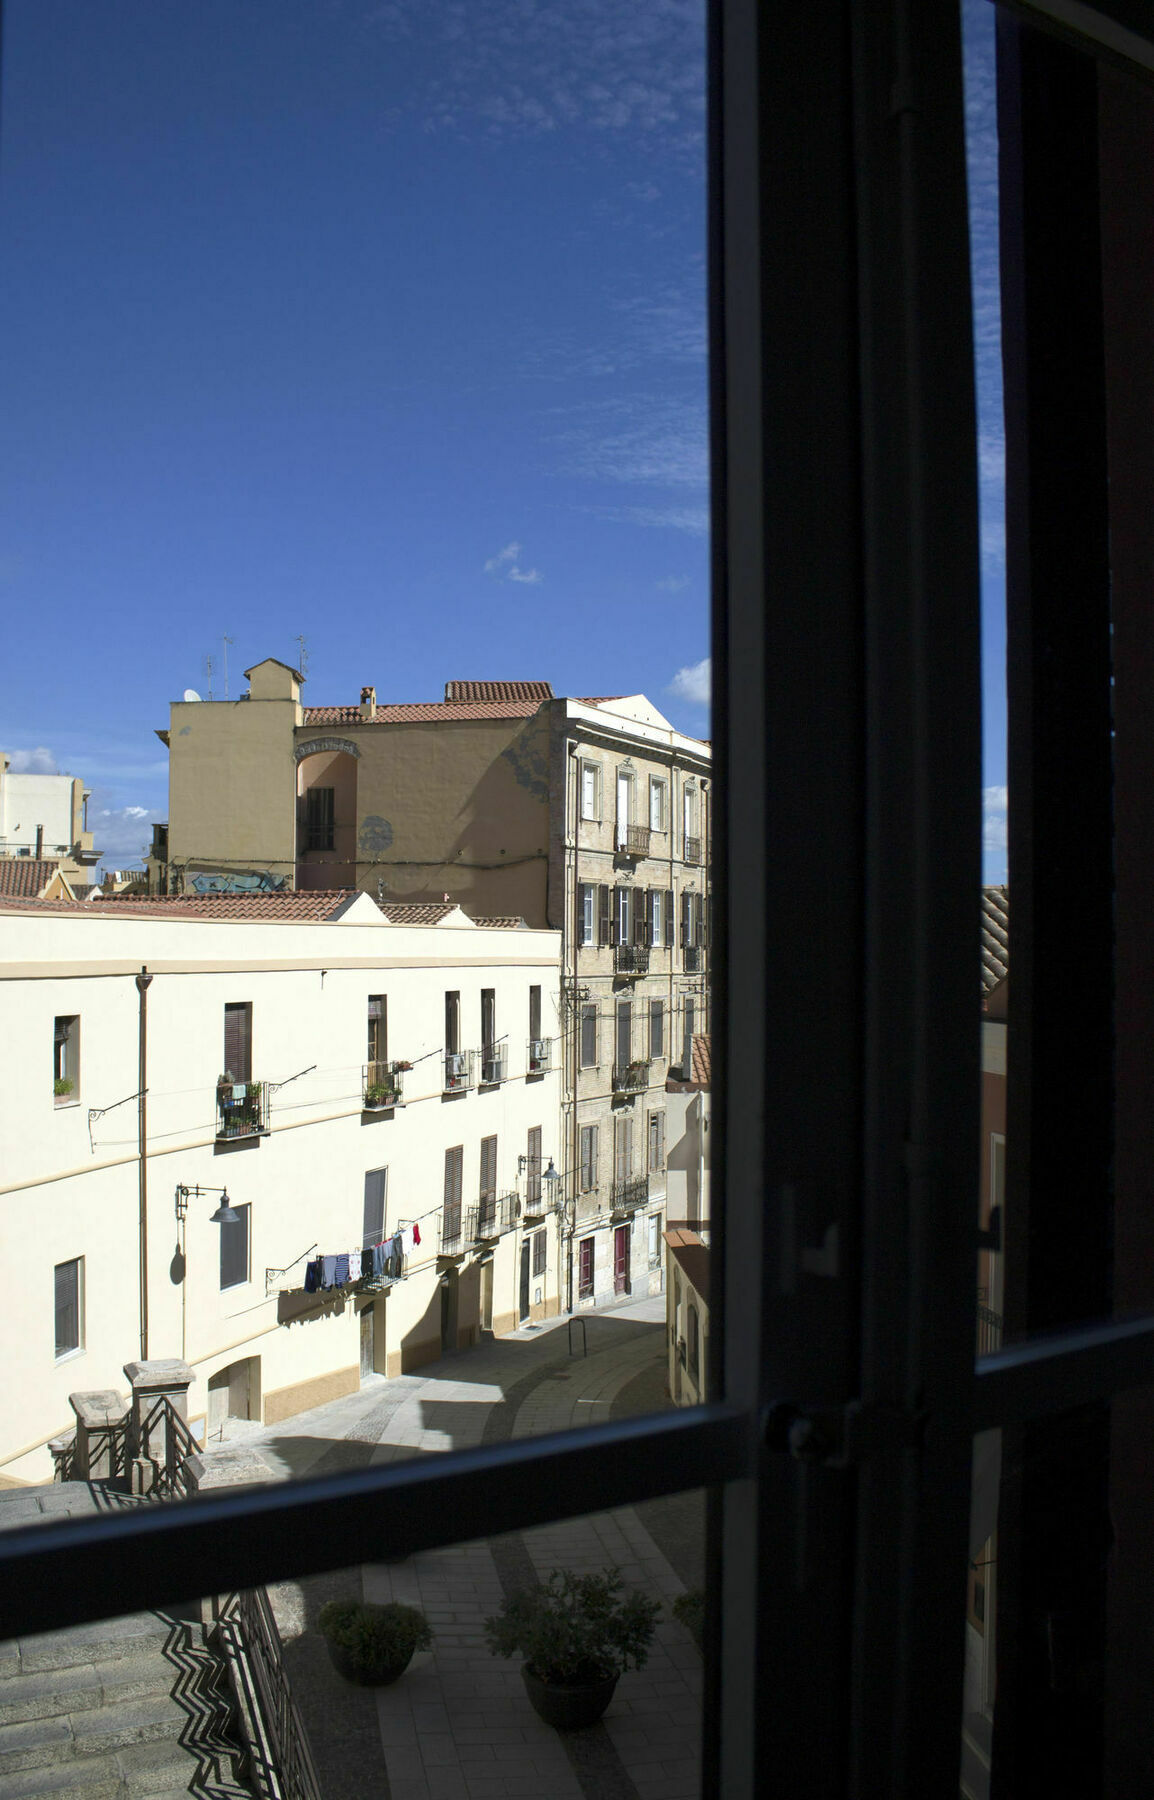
[407, 1240]
[341, 1273]
[354, 1265]
[380, 1256]
[313, 1275]
[329, 1274]
[416, 1234]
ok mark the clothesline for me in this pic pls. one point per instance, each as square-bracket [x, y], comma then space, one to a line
[347, 1267]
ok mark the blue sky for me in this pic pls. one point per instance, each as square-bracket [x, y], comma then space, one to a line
[380, 323]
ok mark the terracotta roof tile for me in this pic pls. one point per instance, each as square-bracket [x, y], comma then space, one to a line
[24, 875]
[498, 690]
[416, 912]
[419, 711]
[298, 905]
[701, 1059]
[501, 924]
[995, 936]
[693, 1257]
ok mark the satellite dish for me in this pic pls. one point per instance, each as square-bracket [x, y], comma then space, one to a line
[191, 694]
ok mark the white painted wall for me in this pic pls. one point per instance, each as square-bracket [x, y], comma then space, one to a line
[27, 801]
[69, 1183]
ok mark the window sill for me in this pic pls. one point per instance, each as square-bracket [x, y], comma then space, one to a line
[62, 1103]
[69, 1355]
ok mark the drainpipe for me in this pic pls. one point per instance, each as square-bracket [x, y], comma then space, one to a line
[575, 1065]
[39, 842]
[143, 983]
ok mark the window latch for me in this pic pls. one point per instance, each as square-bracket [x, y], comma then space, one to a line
[840, 1437]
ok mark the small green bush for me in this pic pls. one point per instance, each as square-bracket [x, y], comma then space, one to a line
[689, 1610]
[572, 1629]
[375, 1636]
[62, 1085]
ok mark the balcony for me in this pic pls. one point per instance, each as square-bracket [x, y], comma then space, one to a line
[485, 1223]
[382, 1086]
[494, 1064]
[452, 1235]
[460, 1071]
[630, 1078]
[633, 840]
[540, 1056]
[692, 849]
[242, 1109]
[631, 959]
[627, 1196]
[694, 960]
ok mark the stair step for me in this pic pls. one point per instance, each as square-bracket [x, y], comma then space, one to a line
[34, 1743]
[159, 1768]
[50, 1692]
[109, 1640]
[132, 1722]
[95, 1778]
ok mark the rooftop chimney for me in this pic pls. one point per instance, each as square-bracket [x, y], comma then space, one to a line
[368, 702]
[39, 842]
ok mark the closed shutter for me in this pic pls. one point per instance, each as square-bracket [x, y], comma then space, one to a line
[588, 1037]
[604, 926]
[668, 933]
[686, 920]
[699, 920]
[588, 1157]
[656, 1028]
[533, 1166]
[585, 1266]
[624, 1033]
[488, 1168]
[540, 1248]
[656, 1141]
[238, 1040]
[234, 1249]
[454, 1169]
[640, 906]
[67, 1307]
[623, 1151]
[373, 1224]
[535, 1013]
[378, 1039]
[452, 1022]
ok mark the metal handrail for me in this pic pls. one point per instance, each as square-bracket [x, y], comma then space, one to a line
[630, 1077]
[692, 849]
[241, 1114]
[168, 1480]
[631, 959]
[281, 1762]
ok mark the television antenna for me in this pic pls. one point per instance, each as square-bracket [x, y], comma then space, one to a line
[303, 659]
[209, 672]
[226, 641]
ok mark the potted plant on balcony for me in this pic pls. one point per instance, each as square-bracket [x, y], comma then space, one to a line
[373, 1645]
[379, 1094]
[578, 1634]
[62, 1087]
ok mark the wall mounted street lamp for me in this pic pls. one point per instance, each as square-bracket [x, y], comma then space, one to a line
[224, 1214]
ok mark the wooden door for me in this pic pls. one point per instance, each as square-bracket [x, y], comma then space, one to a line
[621, 1259]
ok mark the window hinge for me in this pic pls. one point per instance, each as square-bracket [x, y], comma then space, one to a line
[839, 1437]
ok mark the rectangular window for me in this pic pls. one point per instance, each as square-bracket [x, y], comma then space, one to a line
[656, 1028]
[589, 1036]
[586, 908]
[686, 921]
[234, 1249]
[373, 1221]
[689, 811]
[69, 1286]
[588, 1158]
[535, 1013]
[238, 1040]
[624, 807]
[319, 818]
[622, 909]
[590, 790]
[658, 803]
[452, 1023]
[533, 1168]
[656, 917]
[540, 1251]
[656, 1143]
[688, 1018]
[604, 924]
[622, 1151]
[66, 1059]
[624, 1032]
[487, 1192]
[454, 1174]
[655, 1240]
[488, 1020]
[669, 934]
[584, 1268]
[378, 1029]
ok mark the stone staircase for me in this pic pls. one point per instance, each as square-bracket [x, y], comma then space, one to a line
[136, 1708]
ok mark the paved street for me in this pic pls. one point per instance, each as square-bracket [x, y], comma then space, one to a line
[458, 1726]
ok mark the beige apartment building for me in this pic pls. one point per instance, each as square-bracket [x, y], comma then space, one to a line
[590, 816]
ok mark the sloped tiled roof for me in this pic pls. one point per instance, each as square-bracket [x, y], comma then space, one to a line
[501, 924]
[596, 699]
[498, 690]
[693, 1256]
[995, 936]
[701, 1059]
[420, 711]
[24, 875]
[298, 905]
[416, 912]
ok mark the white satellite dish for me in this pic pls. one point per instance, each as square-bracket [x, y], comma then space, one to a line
[191, 694]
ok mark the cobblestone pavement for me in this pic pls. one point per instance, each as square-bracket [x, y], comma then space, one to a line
[459, 1726]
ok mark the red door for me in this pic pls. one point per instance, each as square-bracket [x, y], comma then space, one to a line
[621, 1259]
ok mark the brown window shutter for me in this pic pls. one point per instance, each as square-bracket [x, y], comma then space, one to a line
[668, 933]
[638, 900]
[604, 926]
[238, 1041]
[488, 1168]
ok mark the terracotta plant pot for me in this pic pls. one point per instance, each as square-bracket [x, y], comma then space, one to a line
[379, 1675]
[568, 1708]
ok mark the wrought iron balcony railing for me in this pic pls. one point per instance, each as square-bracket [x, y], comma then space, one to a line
[452, 1232]
[692, 849]
[631, 959]
[633, 840]
[630, 1078]
[460, 1071]
[694, 960]
[494, 1064]
[540, 1055]
[242, 1109]
[383, 1085]
[627, 1196]
[492, 1217]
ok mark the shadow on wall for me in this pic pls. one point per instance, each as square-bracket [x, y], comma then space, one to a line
[298, 1308]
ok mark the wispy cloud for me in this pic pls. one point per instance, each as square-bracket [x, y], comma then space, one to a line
[672, 584]
[693, 519]
[693, 683]
[995, 810]
[40, 761]
[505, 566]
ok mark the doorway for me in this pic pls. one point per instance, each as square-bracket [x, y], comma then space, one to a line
[621, 1259]
[448, 1313]
[523, 1306]
[233, 1393]
[487, 1295]
[368, 1341]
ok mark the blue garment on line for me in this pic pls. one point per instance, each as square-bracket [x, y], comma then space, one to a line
[378, 1261]
[313, 1276]
[329, 1276]
[342, 1271]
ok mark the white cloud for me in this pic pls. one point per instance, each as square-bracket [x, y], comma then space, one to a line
[122, 833]
[995, 806]
[505, 566]
[672, 584]
[40, 761]
[693, 683]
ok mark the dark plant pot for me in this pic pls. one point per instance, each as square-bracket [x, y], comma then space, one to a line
[568, 1708]
[379, 1675]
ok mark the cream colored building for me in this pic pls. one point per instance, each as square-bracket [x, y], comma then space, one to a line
[592, 816]
[45, 818]
[340, 1122]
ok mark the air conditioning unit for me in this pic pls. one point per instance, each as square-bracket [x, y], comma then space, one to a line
[455, 1063]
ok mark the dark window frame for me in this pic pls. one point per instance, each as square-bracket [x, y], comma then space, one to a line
[231, 1246]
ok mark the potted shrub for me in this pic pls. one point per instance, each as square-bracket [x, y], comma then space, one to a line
[378, 1095]
[62, 1086]
[578, 1634]
[373, 1645]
